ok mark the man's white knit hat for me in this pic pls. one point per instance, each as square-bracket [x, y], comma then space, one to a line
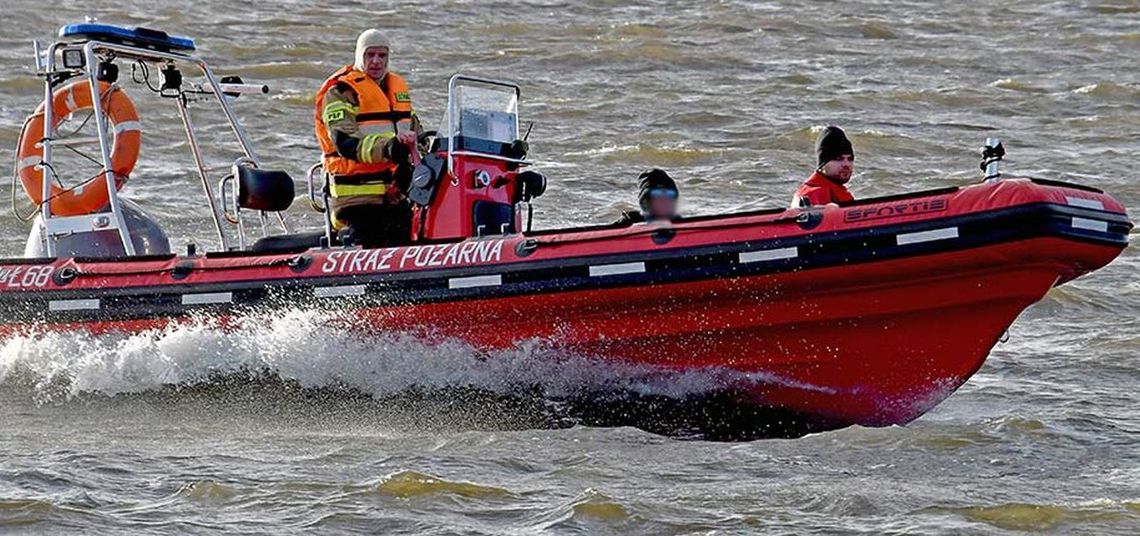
[369, 39]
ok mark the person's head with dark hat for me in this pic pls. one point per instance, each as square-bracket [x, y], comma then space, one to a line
[835, 161]
[835, 156]
[657, 195]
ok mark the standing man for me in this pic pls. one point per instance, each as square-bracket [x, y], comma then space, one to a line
[367, 131]
[836, 162]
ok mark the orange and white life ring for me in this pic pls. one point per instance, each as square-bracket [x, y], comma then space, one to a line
[92, 195]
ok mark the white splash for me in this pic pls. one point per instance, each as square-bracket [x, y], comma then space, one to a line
[304, 347]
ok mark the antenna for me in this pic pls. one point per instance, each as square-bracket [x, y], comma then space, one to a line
[40, 62]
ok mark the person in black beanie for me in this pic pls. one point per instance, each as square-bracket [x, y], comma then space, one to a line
[835, 160]
[657, 196]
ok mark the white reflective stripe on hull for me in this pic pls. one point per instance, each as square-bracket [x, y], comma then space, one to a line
[617, 269]
[769, 255]
[927, 236]
[475, 281]
[1090, 225]
[207, 298]
[1084, 203]
[338, 292]
[73, 305]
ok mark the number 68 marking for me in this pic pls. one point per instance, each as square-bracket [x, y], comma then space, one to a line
[36, 276]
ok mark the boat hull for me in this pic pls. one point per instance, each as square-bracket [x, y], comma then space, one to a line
[874, 344]
[869, 315]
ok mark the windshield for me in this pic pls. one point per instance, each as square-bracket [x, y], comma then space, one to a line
[486, 111]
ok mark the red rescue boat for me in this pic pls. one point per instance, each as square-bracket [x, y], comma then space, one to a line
[868, 313]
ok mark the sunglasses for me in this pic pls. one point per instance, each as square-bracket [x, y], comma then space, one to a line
[661, 192]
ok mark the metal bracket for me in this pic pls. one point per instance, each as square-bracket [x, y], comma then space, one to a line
[992, 153]
[87, 223]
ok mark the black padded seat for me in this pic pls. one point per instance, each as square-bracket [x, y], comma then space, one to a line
[290, 243]
[264, 189]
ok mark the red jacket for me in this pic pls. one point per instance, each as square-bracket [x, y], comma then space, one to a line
[820, 190]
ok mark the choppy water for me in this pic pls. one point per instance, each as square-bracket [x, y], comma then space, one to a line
[279, 426]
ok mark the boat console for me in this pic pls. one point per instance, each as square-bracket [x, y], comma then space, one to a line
[467, 182]
[470, 183]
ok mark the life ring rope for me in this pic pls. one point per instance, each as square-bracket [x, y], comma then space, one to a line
[37, 160]
[91, 194]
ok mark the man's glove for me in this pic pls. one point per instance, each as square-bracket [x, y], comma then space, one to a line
[402, 177]
[396, 151]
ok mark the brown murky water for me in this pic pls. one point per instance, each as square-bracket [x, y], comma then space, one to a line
[182, 432]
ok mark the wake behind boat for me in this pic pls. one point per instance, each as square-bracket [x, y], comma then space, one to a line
[869, 312]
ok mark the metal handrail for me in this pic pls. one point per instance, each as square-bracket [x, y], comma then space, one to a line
[90, 49]
[310, 180]
[316, 170]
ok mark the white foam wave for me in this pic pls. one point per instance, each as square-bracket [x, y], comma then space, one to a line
[304, 347]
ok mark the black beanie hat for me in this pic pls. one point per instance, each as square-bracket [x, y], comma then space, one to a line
[654, 179]
[831, 144]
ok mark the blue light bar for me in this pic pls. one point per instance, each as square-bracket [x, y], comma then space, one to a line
[138, 37]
